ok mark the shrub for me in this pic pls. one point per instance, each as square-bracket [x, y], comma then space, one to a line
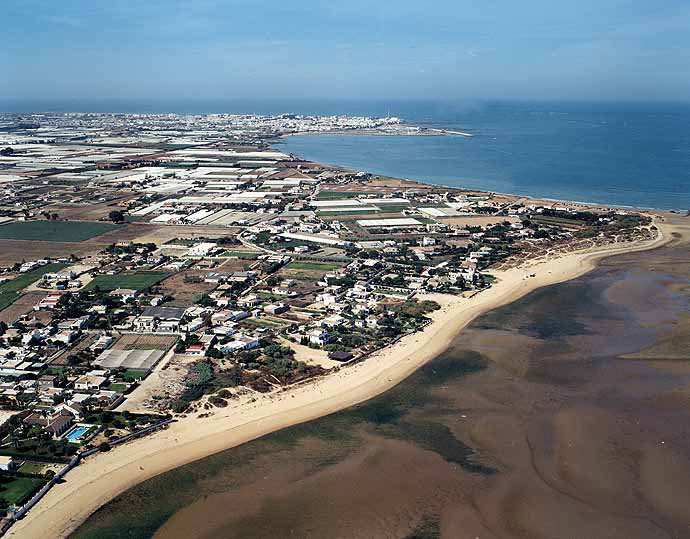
[218, 402]
[179, 406]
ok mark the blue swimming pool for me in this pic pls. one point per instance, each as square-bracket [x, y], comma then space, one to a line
[76, 433]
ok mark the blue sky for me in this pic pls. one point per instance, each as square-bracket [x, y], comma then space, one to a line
[534, 49]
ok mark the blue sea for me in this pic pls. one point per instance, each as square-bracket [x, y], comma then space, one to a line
[609, 153]
[633, 155]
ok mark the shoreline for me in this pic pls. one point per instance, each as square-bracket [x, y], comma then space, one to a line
[428, 183]
[67, 505]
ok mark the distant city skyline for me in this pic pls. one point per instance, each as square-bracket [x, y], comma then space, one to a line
[627, 50]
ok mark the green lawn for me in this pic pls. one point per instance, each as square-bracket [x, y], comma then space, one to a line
[20, 489]
[317, 266]
[135, 281]
[32, 467]
[133, 374]
[68, 231]
[9, 291]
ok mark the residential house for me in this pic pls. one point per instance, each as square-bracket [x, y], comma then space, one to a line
[159, 320]
[318, 336]
[276, 308]
[89, 382]
[240, 344]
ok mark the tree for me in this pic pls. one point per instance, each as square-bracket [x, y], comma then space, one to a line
[73, 359]
[116, 216]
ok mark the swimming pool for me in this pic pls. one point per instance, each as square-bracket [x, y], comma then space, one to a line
[76, 433]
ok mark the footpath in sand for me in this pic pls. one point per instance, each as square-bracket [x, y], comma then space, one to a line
[104, 476]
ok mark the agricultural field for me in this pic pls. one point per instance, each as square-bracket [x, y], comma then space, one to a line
[185, 292]
[145, 342]
[9, 291]
[61, 231]
[313, 266]
[161, 234]
[81, 346]
[334, 195]
[135, 281]
[263, 322]
[248, 255]
[350, 211]
[479, 220]
[87, 210]
[354, 217]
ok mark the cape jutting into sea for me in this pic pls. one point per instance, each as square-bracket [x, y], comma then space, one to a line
[609, 153]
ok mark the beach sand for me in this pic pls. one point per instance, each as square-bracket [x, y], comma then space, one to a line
[106, 475]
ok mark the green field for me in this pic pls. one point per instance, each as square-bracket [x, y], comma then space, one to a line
[20, 489]
[68, 231]
[330, 195]
[134, 281]
[316, 266]
[131, 375]
[262, 322]
[353, 211]
[32, 467]
[251, 255]
[265, 295]
[9, 291]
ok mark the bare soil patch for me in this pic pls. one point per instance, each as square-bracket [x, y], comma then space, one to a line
[185, 293]
[22, 306]
[144, 342]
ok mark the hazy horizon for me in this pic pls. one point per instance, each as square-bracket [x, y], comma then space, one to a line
[616, 50]
[413, 110]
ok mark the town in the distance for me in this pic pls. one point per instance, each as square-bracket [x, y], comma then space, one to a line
[155, 268]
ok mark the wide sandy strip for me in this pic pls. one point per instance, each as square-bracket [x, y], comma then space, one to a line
[106, 475]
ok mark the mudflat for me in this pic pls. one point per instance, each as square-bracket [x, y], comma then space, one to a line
[541, 419]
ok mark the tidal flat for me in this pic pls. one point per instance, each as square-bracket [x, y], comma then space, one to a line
[564, 413]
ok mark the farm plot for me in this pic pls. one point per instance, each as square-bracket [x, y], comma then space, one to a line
[185, 287]
[145, 342]
[312, 266]
[62, 231]
[22, 305]
[135, 281]
[9, 291]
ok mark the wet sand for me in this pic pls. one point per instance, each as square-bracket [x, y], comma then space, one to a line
[106, 475]
[564, 414]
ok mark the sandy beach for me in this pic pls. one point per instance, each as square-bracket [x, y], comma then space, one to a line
[105, 475]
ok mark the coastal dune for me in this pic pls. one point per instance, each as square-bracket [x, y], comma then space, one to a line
[106, 475]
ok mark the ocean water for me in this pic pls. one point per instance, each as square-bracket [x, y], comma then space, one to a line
[608, 153]
[623, 155]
